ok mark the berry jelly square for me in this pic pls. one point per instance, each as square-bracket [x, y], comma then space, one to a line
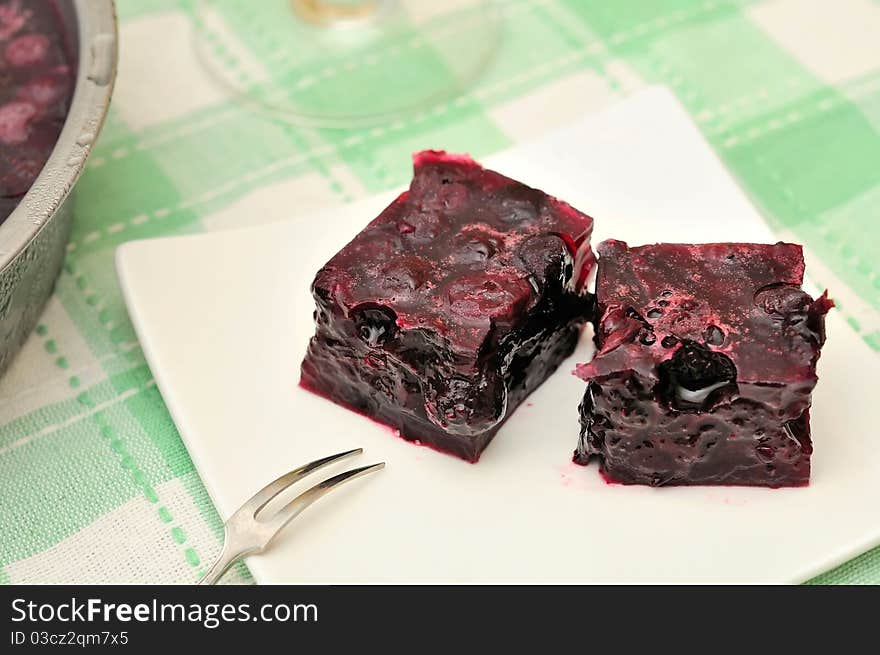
[705, 365]
[453, 305]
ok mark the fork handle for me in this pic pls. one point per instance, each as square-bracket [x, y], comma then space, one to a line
[227, 558]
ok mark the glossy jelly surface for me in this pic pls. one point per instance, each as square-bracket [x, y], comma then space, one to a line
[452, 305]
[705, 366]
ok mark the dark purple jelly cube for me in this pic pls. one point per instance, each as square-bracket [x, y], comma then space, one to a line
[451, 306]
[705, 366]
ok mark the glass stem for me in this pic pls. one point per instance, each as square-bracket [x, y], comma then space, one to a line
[326, 12]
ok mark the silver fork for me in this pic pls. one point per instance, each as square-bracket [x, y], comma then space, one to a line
[246, 533]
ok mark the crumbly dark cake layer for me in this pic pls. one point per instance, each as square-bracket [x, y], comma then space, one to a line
[36, 83]
[705, 366]
[454, 304]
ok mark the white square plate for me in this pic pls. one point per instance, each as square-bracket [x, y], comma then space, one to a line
[224, 319]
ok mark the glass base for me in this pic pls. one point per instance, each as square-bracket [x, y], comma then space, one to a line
[346, 64]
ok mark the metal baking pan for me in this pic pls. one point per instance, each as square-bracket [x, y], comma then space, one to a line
[33, 239]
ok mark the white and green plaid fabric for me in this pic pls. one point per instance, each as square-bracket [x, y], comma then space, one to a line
[95, 484]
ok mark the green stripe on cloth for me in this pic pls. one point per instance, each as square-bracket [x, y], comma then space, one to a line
[203, 502]
[56, 416]
[160, 429]
[630, 23]
[56, 484]
[815, 161]
[863, 570]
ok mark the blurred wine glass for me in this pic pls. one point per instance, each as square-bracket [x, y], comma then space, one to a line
[346, 63]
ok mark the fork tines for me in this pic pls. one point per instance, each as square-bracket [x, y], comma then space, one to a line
[249, 532]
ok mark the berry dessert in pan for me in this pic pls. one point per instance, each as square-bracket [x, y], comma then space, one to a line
[36, 83]
[705, 366]
[451, 306]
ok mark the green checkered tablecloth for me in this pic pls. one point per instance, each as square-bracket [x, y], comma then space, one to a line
[95, 484]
